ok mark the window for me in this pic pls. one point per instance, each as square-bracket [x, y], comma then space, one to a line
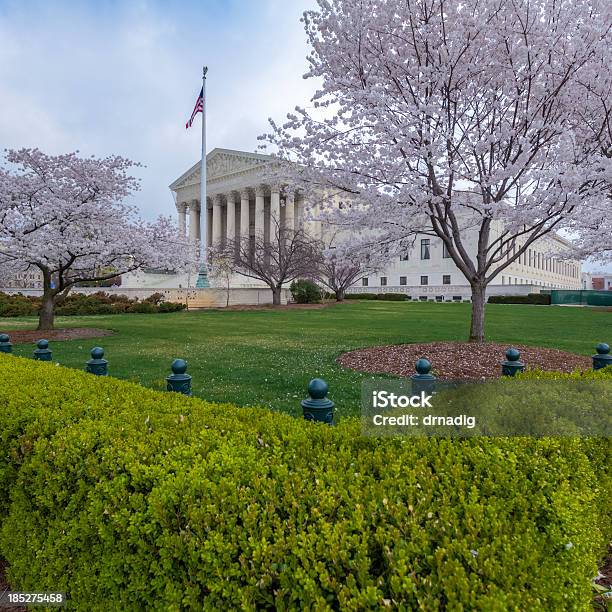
[425, 251]
[383, 281]
[424, 280]
[364, 282]
[503, 280]
[403, 280]
[446, 279]
[445, 253]
[405, 254]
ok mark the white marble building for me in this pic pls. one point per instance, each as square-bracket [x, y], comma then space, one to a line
[241, 203]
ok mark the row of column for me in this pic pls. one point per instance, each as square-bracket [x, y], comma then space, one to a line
[231, 199]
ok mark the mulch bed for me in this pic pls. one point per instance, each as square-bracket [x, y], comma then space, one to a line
[459, 360]
[69, 333]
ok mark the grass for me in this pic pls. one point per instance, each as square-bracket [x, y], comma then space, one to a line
[267, 357]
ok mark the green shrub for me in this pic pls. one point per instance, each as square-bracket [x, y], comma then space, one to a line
[542, 299]
[18, 305]
[304, 291]
[99, 303]
[142, 307]
[392, 297]
[361, 296]
[170, 307]
[131, 499]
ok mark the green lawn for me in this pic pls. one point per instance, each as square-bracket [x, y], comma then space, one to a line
[267, 357]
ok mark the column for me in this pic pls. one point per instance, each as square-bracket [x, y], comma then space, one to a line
[259, 211]
[231, 218]
[290, 211]
[274, 211]
[216, 220]
[181, 207]
[244, 214]
[194, 220]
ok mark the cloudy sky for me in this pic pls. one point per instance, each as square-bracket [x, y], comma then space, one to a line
[122, 77]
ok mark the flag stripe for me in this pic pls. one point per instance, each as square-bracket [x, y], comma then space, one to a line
[198, 108]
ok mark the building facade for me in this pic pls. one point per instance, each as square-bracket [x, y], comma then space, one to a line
[240, 203]
[426, 269]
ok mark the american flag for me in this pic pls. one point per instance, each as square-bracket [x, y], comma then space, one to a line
[198, 108]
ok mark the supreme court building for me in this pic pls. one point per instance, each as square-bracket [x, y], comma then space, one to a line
[241, 202]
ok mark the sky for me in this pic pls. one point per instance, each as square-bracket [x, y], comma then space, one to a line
[122, 77]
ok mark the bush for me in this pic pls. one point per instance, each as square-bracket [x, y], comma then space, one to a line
[147, 500]
[99, 303]
[304, 291]
[18, 305]
[170, 307]
[361, 296]
[387, 297]
[542, 299]
[392, 297]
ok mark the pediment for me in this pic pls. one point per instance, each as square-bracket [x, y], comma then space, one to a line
[221, 163]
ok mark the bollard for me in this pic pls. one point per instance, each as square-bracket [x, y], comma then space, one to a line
[5, 344]
[512, 365]
[603, 357]
[97, 364]
[179, 381]
[43, 352]
[423, 381]
[317, 407]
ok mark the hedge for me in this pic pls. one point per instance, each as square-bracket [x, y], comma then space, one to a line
[19, 305]
[390, 297]
[131, 499]
[542, 299]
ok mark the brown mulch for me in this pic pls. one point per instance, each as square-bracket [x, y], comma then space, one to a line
[18, 336]
[458, 360]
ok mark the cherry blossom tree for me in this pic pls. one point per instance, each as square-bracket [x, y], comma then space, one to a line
[221, 262]
[419, 101]
[65, 216]
[345, 261]
[283, 256]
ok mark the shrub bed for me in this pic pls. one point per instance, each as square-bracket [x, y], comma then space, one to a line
[132, 499]
[389, 297]
[542, 299]
[80, 304]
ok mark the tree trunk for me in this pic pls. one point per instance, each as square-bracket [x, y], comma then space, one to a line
[340, 295]
[46, 316]
[478, 313]
[276, 295]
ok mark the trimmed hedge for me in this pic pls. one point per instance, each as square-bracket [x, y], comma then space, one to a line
[542, 299]
[131, 499]
[389, 297]
[80, 304]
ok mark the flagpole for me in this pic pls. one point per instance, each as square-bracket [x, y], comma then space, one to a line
[202, 281]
